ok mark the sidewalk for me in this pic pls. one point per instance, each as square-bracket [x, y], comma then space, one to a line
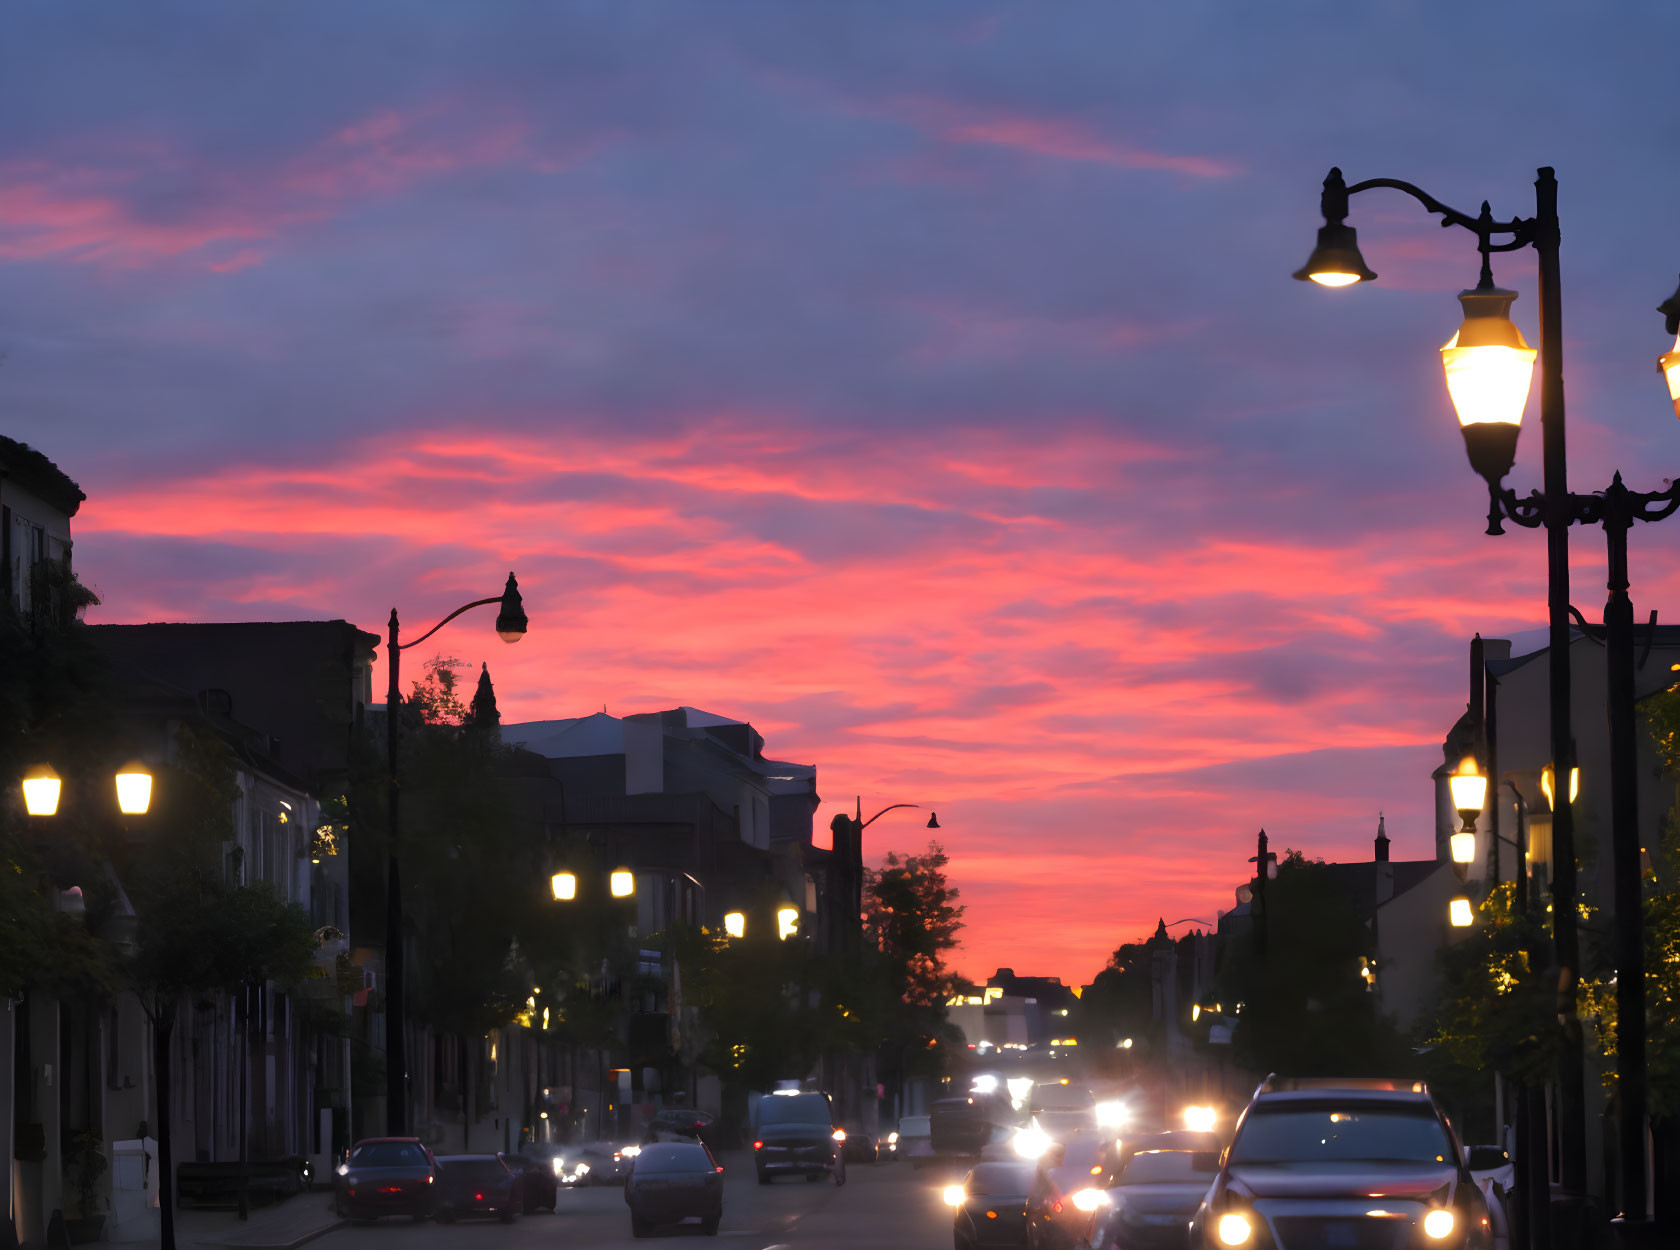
[280, 1226]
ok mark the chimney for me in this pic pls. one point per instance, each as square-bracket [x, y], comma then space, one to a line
[1382, 841]
[483, 711]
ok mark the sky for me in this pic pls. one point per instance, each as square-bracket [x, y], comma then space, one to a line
[921, 382]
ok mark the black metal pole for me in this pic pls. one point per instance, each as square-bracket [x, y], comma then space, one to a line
[1631, 1091]
[1261, 859]
[396, 1038]
[1572, 1116]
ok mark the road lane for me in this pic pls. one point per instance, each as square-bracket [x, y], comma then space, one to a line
[889, 1206]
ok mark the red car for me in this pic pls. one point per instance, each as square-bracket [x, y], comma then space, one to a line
[387, 1176]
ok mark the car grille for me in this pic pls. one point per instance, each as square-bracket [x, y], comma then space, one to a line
[1312, 1232]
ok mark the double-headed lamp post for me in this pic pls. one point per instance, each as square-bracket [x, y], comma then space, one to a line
[510, 625]
[1488, 370]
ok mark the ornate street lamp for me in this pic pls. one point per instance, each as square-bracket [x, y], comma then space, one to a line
[1461, 913]
[564, 885]
[511, 625]
[622, 883]
[787, 922]
[735, 924]
[1487, 366]
[42, 788]
[1469, 793]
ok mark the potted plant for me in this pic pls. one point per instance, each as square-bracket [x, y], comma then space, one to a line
[84, 1164]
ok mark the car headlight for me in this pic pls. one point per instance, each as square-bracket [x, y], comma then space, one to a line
[1200, 1119]
[1112, 1114]
[892, 1139]
[630, 1152]
[1234, 1229]
[954, 1195]
[343, 1169]
[1439, 1223]
[1089, 1199]
[583, 1169]
[559, 1165]
[839, 1134]
[1029, 1143]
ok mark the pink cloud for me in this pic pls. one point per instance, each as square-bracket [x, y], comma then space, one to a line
[1056, 691]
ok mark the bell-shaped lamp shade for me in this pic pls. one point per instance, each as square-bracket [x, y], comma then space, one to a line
[622, 883]
[1488, 365]
[134, 790]
[933, 820]
[1461, 913]
[1336, 260]
[787, 922]
[510, 618]
[564, 885]
[735, 923]
[1669, 363]
[1548, 785]
[1463, 848]
[41, 789]
[1469, 791]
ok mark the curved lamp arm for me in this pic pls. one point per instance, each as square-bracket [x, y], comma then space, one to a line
[467, 607]
[883, 812]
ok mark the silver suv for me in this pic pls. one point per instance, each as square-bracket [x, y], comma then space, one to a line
[1342, 1164]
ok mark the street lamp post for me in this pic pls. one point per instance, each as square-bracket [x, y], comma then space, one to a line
[1488, 369]
[510, 625]
[1265, 868]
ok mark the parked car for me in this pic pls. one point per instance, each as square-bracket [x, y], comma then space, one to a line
[674, 1181]
[991, 1206]
[477, 1185]
[538, 1167]
[684, 1124]
[386, 1176]
[1355, 1164]
[797, 1133]
[859, 1145]
[1152, 1200]
[912, 1139]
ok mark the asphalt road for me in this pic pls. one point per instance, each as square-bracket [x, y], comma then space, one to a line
[890, 1206]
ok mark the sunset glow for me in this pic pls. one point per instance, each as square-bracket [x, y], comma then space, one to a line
[942, 405]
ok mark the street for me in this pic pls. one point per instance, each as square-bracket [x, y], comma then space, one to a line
[889, 1206]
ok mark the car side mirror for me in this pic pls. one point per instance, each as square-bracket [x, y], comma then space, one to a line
[1485, 1158]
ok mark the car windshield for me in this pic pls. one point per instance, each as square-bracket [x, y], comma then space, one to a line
[673, 1157]
[794, 1109]
[473, 1171]
[1011, 1180]
[1348, 1131]
[914, 1126]
[1166, 1167]
[1060, 1097]
[388, 1154]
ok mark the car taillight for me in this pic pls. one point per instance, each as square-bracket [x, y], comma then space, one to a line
[720, 1168]
[1055, 1208]
[428, 1180]
[349, 1193]
[991, 1215]
[758, 1145]
[478, 1197]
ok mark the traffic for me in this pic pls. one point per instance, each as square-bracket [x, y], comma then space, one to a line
[1023, 1161]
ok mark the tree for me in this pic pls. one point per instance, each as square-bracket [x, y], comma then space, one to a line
[1306, 1008]
[911, 918]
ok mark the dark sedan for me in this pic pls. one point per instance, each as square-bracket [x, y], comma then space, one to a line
[538, 1167]
[386, 1176]
[991, 1206]
[477, 1185]
[860, 1145]
[672, 1182]
[1152, 1200]
[1342, 1167]
[1067, 1190]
